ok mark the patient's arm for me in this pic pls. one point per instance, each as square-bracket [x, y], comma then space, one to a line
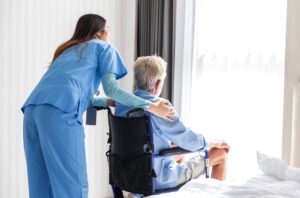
[179, 134]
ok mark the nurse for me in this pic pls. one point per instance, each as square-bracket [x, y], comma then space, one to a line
[53, 131]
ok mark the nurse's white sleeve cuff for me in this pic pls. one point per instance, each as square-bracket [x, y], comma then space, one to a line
[99, 102]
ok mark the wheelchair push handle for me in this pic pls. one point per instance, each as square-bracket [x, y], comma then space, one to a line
[100, 108]
[137, 112]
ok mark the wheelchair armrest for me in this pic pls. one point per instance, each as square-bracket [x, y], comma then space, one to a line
[173, 151]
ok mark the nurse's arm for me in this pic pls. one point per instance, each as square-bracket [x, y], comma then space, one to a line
[113, 90]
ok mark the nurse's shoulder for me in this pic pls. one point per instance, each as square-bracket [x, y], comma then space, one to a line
[103, 46]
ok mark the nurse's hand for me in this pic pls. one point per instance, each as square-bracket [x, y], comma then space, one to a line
[161, 109]
[110, 102]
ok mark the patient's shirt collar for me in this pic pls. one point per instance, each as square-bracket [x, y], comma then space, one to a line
[145, 95]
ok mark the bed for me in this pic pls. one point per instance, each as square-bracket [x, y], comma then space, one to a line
[277, 180]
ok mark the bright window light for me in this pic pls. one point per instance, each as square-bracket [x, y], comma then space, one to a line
[238, 70]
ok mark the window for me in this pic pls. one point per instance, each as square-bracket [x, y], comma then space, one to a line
[237, 77]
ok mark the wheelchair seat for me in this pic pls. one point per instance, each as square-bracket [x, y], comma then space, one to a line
[131, 154]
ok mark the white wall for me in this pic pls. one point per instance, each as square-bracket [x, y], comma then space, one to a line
[292, 72]
[30, 32]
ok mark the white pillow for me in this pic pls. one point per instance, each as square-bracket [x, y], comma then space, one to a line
[277, 168]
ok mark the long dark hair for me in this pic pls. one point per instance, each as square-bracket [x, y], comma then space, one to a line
[87, 26]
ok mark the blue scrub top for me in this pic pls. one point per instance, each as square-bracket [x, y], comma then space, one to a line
[75, 75]
[164, 133]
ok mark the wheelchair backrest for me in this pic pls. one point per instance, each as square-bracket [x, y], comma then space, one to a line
[130, 153]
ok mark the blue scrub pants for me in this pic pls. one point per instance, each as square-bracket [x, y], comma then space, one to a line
[55, 153]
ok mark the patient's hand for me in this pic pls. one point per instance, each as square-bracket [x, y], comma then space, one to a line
[220, 144]
[178, 158]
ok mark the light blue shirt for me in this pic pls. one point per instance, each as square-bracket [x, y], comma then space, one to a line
[75, 75]
[164, 133]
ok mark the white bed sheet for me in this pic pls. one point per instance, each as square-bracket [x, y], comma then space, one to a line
[276, 181]
[259, 186]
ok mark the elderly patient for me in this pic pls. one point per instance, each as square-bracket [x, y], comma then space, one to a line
[149, 75]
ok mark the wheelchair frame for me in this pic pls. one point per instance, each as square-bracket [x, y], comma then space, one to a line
[117, 179]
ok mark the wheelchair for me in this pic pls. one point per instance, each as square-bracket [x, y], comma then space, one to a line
[131, 154]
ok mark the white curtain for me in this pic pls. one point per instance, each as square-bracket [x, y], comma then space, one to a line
[30, 32]
[291, 120]
[295, 146]
[237, 77]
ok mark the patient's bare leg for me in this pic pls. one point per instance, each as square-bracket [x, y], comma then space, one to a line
[217, 160]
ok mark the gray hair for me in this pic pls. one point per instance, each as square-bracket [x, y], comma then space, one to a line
[147, 70]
